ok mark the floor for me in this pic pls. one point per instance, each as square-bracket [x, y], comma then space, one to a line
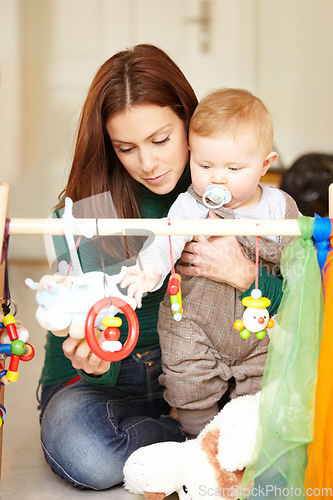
[25, 474]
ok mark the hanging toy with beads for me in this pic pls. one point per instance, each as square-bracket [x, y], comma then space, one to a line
[13, 335]
[14, 347]
[174, 289]
[85, 304]
[175, 296]
[256, 316]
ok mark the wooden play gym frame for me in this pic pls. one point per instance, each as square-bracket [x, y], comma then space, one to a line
[20, 226]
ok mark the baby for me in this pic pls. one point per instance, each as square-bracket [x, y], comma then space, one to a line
[230, 141]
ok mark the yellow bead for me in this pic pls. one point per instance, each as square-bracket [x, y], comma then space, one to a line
[261, 303]
[238, 324]
[12, 376]
[112, 322]
[8, 319]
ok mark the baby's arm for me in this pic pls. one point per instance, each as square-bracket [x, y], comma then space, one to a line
[154, 260]
[141, 279]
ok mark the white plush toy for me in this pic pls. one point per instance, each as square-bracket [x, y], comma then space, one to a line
[64, 301]
[213, 463]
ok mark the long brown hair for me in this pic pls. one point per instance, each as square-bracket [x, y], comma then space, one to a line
[144, 74]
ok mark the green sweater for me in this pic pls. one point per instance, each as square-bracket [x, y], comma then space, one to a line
[57, 368]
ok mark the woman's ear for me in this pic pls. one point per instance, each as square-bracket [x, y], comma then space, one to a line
[269, 160]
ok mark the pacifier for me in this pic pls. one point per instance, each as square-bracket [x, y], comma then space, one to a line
[217, 194]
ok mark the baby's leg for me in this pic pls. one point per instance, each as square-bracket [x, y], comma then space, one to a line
[249, 373]
[194, 374]
[193, 421]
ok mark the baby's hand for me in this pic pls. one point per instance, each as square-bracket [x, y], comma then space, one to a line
[140, 279]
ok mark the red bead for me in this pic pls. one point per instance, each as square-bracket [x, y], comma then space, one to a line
[14, 363]
[173, 286]
[112, 333]
[12, 332]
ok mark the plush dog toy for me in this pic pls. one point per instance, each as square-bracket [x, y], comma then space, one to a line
[211, 464]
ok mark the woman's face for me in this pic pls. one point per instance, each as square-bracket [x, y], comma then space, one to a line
[151, 143]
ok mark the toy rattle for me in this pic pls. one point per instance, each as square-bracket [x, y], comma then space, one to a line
[112, 333]
[12, 338]
[256, 316]
[72, 302]
[16, 349]
[217, 194]
[175, 296]
[174, 289]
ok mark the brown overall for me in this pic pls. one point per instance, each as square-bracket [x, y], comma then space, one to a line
[203, 351]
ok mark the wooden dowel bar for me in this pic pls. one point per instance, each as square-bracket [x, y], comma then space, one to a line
[330, 201]
[136, 227]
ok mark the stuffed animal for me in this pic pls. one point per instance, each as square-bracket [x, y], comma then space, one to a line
[211, 464]
[64, 301]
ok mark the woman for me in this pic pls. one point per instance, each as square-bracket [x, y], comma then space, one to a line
[131, 143]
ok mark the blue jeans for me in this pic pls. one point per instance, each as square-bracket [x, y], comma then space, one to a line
[88, 432]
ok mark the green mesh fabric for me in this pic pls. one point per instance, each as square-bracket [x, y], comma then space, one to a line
[288, 390]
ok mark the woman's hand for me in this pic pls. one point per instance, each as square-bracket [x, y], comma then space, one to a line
[219, 258]
[82, 358]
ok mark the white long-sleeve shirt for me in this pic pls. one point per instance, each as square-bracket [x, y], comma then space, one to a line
[272, 205]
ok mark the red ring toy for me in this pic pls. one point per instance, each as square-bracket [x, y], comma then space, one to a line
[133, 333]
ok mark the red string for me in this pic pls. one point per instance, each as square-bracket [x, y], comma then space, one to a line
[257, 263]
[76, 246]
[171, 255]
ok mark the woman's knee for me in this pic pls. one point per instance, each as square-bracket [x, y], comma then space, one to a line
[73, 445]
[91, 471]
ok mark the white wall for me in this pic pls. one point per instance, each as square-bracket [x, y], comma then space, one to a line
[295, 73]
[50, 50]
[10, 90]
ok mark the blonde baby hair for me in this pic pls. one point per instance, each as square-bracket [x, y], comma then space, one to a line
[229, 111]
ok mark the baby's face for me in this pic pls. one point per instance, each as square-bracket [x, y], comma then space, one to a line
[236, 163]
